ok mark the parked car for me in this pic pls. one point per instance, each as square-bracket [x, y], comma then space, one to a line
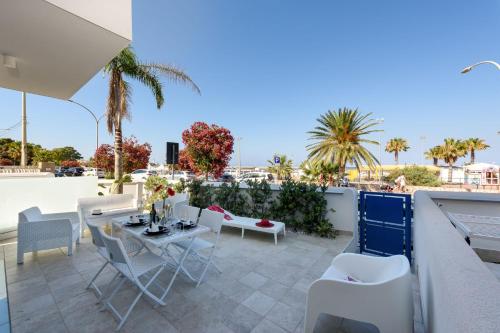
[226, 178]
[71, 172]
[99, 173]
[58, 172]
[140, 175]
[178, 175]
[255, 176]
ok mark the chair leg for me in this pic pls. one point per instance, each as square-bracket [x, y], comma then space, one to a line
[206, 267]
[125, 317]
[310, 320]
[95, 277]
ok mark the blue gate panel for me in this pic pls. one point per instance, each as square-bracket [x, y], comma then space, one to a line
[386, 241]
[384, 209]
[385, 223]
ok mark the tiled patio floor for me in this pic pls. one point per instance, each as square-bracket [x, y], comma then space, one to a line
[262, 289]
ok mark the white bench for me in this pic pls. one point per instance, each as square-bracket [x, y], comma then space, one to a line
[111, 206]
[248, 223]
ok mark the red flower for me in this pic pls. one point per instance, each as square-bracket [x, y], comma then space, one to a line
[158, 188]
[170, 192]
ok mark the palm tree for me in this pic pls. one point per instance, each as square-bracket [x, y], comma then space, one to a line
[451, 151]
[126, 64]
[396, 145]
[340, 136]
[319, 172]
[283, 169]
[474, 144]
[434, 154]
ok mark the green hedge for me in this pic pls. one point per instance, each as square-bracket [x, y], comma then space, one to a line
[299, 205]
[416, 176]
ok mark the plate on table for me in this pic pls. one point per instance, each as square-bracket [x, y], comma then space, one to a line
[161, 231]
[139, 223]
[186, 224]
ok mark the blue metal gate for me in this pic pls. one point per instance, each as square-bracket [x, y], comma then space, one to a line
[385, 223]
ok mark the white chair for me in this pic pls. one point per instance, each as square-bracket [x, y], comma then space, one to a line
[37, 231]
[375, 290]
[213, 220]
[131, 246]
[186, 212]
[133, 269]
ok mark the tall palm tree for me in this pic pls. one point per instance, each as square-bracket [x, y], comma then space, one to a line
[474, 144]
[126, 65]
[283, 169]
[434, 154]
[339, 138]
[396, 145]
[451, 151]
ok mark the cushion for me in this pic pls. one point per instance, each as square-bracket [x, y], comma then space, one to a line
[219, 209]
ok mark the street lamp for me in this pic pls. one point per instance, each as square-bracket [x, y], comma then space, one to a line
[380, 170]
[471, 67]
[238, 139]
[422, 139]
[96, 121]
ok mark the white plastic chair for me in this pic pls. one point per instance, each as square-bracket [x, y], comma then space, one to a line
[37, 231]
[213, 220]
[381, 293]
[186, 212]
[133, 269]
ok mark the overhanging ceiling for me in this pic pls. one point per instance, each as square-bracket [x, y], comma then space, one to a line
[53, 47]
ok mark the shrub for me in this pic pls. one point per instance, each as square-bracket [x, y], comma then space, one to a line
[416, 176]
[231, 198]
[200, 195]
[70, 164]
[259, 193]
[180, 186]
[151, 184]
[5, 162]
[303, 207]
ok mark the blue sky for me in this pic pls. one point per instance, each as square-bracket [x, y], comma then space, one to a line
[267, 69]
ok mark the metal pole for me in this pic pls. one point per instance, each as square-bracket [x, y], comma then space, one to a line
[95, 118]
[23, 131]
[239, 155]
[422, 139]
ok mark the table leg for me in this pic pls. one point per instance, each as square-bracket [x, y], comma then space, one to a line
[242, 232]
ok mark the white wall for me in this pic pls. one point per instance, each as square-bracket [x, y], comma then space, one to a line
[458, 292]
[51, 195]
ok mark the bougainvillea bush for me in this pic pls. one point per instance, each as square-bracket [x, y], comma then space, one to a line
[208, 148]
[135, 156]
[70, 164]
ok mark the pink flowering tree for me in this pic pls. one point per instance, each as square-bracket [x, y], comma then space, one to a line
[208, 148]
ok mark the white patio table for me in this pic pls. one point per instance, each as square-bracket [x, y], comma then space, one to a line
[162, 241]
[481, 232]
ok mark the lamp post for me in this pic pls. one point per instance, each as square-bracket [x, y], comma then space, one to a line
[380, 170]
[238, 139]
[95, 118]
[422, 139]
[24, 153]
[471, 67]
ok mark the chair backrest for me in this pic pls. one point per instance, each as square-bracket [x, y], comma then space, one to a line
[96, 233]
[211, 219]
[184, 212]
[177, 206]
[30, 214]
[117, 254]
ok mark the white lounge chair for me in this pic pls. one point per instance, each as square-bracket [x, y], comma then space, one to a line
[37, 231]
[375, 290]
[248, 223]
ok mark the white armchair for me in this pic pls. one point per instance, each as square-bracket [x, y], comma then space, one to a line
[376, 290]
[37, 231]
